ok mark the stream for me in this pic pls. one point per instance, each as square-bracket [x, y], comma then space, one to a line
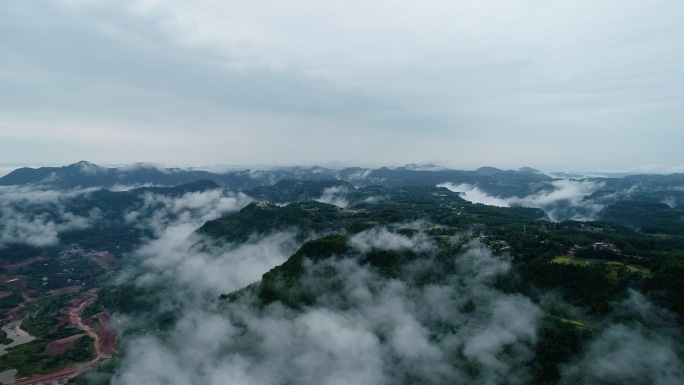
[18, 337]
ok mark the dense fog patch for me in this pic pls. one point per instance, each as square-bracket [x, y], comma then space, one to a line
[120, 187]
[626, 355]
[336, 195]
[641, 346]
[566, 198]
[372, 329]
[380, 238]
[475, 195]
[178, 257]
[159, 212]
[36, 217]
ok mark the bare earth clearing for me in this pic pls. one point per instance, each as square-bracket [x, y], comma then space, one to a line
[104, 336]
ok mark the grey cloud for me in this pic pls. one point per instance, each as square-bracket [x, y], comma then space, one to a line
[193, 208]
[641, 346]
[373, 200]
[388, 336]
[127, 187]
[383, 239]
[353, 80]
[176, 257]
[143, 166]
[671, 202]
[570, 192]
[627, 355]
[475, 194]
[511, 324]
[36, 216]
[566, 199]
[637, 309]
[371, 329]
[89, 168]
[335, 195]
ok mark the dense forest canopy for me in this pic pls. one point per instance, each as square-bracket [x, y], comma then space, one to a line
[396, 284]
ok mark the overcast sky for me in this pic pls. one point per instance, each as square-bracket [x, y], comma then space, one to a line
[571, 85]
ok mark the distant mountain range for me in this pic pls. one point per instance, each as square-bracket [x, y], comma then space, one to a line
[640, 201]
[86, 174]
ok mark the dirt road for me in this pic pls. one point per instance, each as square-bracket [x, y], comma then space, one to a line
[104, 347]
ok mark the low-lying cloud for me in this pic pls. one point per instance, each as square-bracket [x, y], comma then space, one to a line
[180, 257]
[376, 329]
[177, 255]
[381, 238]
[159, 212]
[641, 347]
[36, 217]
[336, 195]
[566, 198]
[372, 330]
[475, 195]
[624, 355]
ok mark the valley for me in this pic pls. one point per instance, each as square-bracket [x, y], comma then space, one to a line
[51, 339]
[202, 275]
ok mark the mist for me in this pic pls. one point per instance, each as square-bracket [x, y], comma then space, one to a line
[566, 199]
[376, 329]
[641, 346]
[364, 326]
[178, 255]
[36, 217]
[335, 196]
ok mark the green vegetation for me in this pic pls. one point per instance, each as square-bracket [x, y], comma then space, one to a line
[638, 244]
[569, 261]
[290, 190]
[559, 341]
[258, 219]
[4, 340]
[101, 375]
[591, 276]
[282, 283]
[42, 315]
[666, 285]
[59, 272]
[591, 265]
[29, 358]
[16, 252]
[646, 213]
[11, 301]
[41, 322]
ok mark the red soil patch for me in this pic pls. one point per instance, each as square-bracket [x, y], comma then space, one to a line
[106, 334]
[62, 376]
[62, 346]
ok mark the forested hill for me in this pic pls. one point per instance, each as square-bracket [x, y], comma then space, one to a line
[594, 262]
[454, 265]
[85, 174]
[423, 284]
[650, 203]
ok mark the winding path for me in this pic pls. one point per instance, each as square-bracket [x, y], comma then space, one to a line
[68, 373]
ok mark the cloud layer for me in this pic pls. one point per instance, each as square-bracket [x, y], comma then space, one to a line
[565, 198]
[641, 347]
[370, 328]
[571, 84]
[391, 333]
[36, 217]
